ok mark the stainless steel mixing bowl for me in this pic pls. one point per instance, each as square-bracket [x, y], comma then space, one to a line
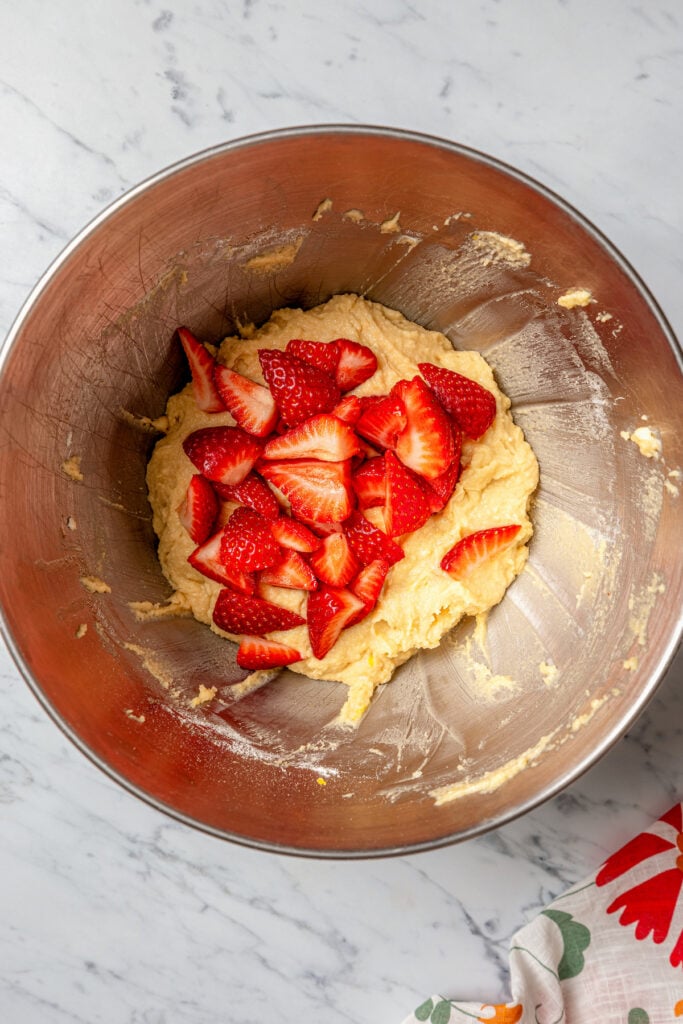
[581, 639]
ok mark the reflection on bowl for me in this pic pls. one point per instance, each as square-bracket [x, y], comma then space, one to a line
[466, 736]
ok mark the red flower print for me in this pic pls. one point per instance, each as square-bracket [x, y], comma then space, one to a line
[650, 904]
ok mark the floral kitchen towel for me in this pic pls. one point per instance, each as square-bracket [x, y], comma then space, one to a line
[610, 950]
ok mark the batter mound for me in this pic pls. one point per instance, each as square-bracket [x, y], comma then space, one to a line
[419, 602]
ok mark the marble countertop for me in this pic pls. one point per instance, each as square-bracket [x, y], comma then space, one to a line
[109, 911]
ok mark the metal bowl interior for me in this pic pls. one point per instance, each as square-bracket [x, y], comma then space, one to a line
[581, 638]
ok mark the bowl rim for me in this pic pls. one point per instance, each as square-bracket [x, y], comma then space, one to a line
[669, 649]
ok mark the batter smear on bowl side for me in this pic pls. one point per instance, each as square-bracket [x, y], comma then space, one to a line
[336, 491]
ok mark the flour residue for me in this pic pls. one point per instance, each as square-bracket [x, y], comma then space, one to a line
[495, 248]
[95, 585]
[323, 207]
[271, 261]
[71, 467]
[575, 297]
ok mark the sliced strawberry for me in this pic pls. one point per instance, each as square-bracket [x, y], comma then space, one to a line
[201, 367]
[324, 355]
[407, 507]
[368, 585]
[321, 437]
[369, 543]
[254, 493]
[198, 509]
[300, 390]
[319, 492]
[222, 454]
[426, 443]
[440, 488]
[334, 562]
[252, 405]
[248, 543]
[290, 533]
[241, 613]
[330, 610]
[256, 653]
[476, 548]
[473, 406]
[381, 422]
[207, 560]
[368, 482]
[349, 409]
[356, 364]
[291, 572]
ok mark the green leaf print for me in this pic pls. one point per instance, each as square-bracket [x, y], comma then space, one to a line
[424, 1009]
[441, 1014]
[638, 1016]
[576, 938]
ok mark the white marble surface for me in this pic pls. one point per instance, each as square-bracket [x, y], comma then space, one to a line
[110, 912]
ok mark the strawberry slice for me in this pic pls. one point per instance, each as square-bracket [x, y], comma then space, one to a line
[472, 406]
[248, 543]
[330, 610]
[368, 482]
[381, 422]
[319, 492]
[334, 562]
[290, 533]
[324, 355]
[222, 454]
[241, 613]
[202, 366]
[426, 443]
[322, 437]
[252, 406]
[356, 364]
[254, 493]
[368, 585]
[198, 509]
[299, 389]
[349, 409]
[291, 572]
[207, 560]
[474, 549]
[440, 488]
[407, 507]
[369, 543]
[256, 653]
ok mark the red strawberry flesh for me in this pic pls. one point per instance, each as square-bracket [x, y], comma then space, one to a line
[290, 533]
[324, 355]
[476, 548]
[291, 572]
[239, 613]
[472, 406]
[198, 509]
[357, 363]
[330, 610]
[248, 543]
[369, 543]
[381, 422]
[256, 653]
[321, 437]
[334, 562]
[426, 443]
[299, 389]
[202, 365]
[207, 560]
[407, 507]
[317, 491]
[251, 405]
[253, 492]
[222, 454]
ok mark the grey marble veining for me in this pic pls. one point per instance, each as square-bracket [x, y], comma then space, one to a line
[109, 912]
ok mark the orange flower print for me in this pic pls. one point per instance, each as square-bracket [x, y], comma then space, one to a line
[678, 1008]
[650, 904]
[502, 1013]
